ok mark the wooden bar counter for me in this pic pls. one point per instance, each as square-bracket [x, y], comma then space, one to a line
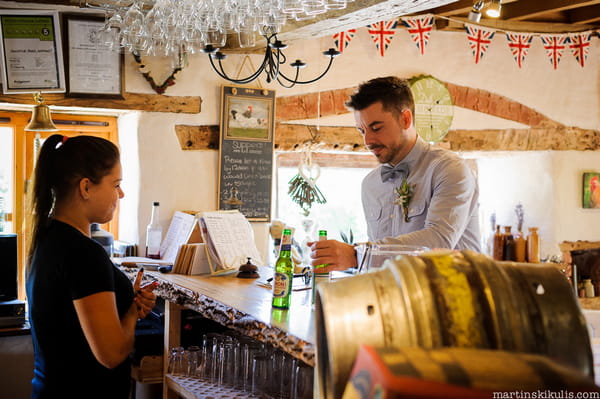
[241, 305]
[236, 303]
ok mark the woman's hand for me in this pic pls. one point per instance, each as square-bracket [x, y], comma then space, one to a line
[145, 299]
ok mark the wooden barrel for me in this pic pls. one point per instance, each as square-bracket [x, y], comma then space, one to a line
[448, 299]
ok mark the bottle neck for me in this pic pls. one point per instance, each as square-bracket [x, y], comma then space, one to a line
[154, 215]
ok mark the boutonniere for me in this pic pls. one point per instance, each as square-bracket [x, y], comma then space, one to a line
[404, 194]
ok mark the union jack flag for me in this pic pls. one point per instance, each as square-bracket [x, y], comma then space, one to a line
[419, 28]
[479, 40]
[519, 44]
[555, 45]
[382, 34]
[342, 39]
[580, 46]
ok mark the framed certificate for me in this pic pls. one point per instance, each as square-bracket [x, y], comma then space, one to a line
[31, 51]
[93, 68]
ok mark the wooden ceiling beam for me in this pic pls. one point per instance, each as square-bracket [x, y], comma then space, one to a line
[458, 7]
[348, 140]
[521, 10]
[584, 15]
[357, 14]
[130, 101]
[458, 24]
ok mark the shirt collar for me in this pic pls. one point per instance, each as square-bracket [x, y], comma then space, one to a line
[415, 153]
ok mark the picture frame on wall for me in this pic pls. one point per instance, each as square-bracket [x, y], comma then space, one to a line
[247, 116]
[31, 50]
[93, 68]
[591, 190]
[246, 151]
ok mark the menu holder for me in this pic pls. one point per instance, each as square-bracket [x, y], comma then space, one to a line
[183, 229]
[192, 259]
[229, 241]
[214, 243]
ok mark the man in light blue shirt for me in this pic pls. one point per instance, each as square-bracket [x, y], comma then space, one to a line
[438, 207]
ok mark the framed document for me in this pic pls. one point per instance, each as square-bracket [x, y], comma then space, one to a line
[93, 68]
[31, 51]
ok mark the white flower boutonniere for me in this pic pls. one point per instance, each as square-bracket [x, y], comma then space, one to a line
[404, 195]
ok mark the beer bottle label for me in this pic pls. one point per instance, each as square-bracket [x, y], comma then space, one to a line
[281, 285]
[286, 242]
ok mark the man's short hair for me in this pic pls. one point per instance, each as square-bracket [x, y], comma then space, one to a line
[393, 93]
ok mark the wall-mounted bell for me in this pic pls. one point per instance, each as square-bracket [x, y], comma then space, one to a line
[41, 121]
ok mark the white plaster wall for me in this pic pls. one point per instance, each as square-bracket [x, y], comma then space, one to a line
[571, 221]
[548, 183]
[507, 179]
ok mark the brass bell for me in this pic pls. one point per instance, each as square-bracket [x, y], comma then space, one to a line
[41, 121]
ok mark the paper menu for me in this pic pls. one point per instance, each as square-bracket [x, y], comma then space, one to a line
[180, 229]
[229, 238]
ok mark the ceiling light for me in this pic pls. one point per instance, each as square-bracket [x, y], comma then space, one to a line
[493, 8]
[475, 13]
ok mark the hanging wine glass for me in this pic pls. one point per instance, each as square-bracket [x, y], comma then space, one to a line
[133, 20]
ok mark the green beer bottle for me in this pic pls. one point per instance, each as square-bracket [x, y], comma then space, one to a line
[317, 277]
[284, 273]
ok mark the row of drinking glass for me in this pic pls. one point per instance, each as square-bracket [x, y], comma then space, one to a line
[191, 24]
[239, 362]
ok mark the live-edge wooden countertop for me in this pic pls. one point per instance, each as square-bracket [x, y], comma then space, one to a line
[244, 306]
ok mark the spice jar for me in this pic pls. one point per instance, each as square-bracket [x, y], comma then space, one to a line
[589, 288]
[533, 245]
[509, 244]
[498, 247]
[520, 247]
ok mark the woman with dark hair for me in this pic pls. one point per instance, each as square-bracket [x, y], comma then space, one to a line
[83, 310]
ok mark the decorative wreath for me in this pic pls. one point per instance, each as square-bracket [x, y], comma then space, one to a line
[160, 89]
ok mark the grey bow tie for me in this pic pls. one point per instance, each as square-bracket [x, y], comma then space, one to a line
[391, 172]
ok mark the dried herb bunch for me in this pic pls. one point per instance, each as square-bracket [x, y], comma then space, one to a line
[520, 216]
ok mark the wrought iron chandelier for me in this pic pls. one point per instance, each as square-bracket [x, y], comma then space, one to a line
[172, 28]
[270, 65]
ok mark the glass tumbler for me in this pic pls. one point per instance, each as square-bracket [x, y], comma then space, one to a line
[378, 254]
[209, 347]
[177, 361]
[226, 366]
[261, 376]
[302, 382]
[193, 359]
[249, 348]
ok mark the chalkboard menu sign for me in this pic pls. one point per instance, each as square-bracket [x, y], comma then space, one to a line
[246, 151]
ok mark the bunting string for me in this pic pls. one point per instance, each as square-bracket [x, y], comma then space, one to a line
[519, 44]
[479, 38]
[342, 39]
[419, 28]
[382, 33]
[580, 46]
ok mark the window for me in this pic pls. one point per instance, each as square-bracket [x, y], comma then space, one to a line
[339, 181]
[6, 180]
